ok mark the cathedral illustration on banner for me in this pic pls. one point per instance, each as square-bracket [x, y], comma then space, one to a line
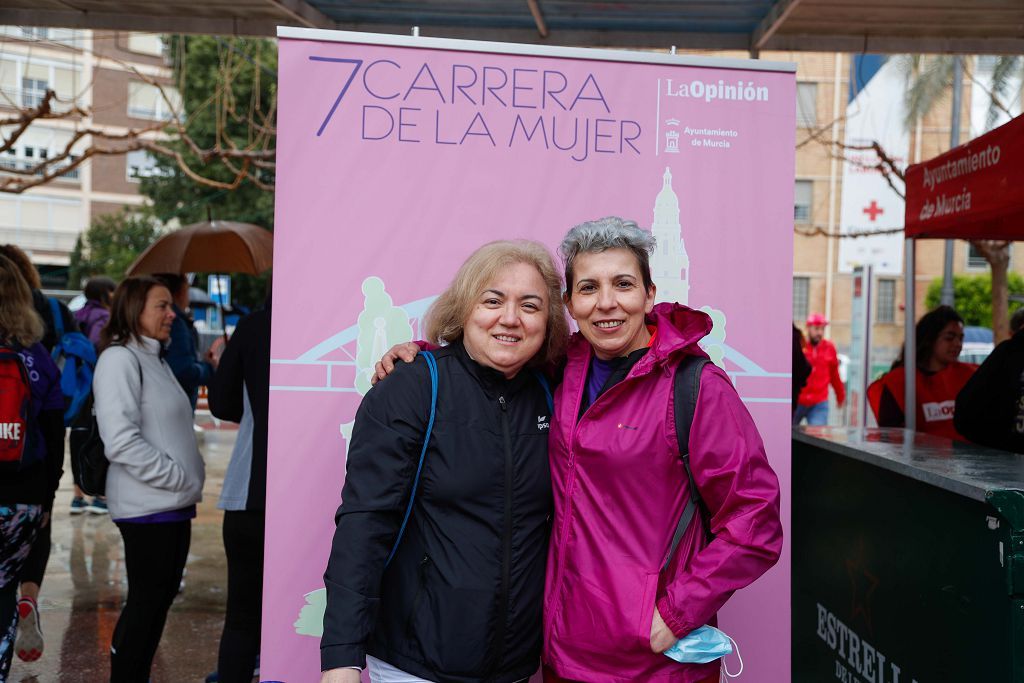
[670, 265]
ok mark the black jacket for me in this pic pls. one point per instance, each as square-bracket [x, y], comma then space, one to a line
[246, 360]
[461, 600]
[990, 407]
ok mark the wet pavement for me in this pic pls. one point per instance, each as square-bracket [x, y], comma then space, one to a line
[85, 583]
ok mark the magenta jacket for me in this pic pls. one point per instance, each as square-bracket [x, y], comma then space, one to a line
[619, 490]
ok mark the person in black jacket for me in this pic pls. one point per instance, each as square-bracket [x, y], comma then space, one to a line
[990, 407]
[461, 599]
[182, 353]
[239, 392]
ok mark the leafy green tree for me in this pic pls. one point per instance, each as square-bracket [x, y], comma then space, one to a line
[973, 296]
[228, 89]
[110, 244]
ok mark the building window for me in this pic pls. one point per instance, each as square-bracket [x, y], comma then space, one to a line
[139, 164]
[801, 292]
[146, 102]
[33, 92]
[806, 105]
[975, 261]
[37, 32]
[146, 44]
[885, 306]
[802, 196]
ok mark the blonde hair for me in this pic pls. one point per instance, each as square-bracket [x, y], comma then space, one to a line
[19, 322]
[448, 314]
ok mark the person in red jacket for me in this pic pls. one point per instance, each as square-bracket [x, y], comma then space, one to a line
[821, 354]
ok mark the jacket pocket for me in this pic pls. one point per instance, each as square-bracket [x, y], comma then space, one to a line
[605, 613]
[421, 580]
[647, 605]
[453, 627]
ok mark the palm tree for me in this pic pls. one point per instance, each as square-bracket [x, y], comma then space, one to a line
[928, 79]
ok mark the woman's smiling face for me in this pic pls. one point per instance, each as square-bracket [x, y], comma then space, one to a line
[508, 324]
[608, 301]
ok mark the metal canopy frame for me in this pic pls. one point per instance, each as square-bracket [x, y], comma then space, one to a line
[878, 26]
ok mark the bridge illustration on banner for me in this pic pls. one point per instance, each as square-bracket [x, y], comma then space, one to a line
[343, 362]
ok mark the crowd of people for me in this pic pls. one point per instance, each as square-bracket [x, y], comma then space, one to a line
[956, 400]
[142, 398]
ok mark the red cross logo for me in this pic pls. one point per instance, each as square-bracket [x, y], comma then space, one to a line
[873, 210]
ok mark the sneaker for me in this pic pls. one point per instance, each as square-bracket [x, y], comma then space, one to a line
[78, 505]
[98, 506]
[29, 642]
[212, 677]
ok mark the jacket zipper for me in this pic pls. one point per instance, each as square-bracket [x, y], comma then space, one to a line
[571, 475]
[506, 539]
[421, 572]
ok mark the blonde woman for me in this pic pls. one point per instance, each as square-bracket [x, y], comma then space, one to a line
[461, 598]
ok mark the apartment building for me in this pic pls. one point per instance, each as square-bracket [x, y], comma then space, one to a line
[105, 73]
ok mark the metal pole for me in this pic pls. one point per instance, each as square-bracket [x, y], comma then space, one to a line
[947, 298]
[910, 339]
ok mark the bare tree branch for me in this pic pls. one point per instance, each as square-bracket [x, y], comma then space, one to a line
[252, 157]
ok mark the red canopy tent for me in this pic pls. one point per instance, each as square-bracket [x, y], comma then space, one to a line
[974, 191]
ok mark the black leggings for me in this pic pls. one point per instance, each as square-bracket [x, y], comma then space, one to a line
[240, 641]
[35, 564]
[154, 556]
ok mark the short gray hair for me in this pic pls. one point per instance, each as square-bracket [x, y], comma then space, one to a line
[606, 233]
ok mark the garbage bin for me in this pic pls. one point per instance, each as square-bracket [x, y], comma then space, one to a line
[908, 559]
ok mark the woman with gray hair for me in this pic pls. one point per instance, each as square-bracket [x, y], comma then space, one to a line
[618, 591]
[618, 594]
[459, 597]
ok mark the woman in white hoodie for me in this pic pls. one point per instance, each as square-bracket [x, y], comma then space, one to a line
[156, 473]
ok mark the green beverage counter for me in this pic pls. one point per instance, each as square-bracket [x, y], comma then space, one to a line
[908, 559]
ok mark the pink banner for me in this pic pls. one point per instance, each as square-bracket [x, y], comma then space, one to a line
[397, 157]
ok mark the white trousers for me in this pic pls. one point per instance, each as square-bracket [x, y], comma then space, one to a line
[382, 672]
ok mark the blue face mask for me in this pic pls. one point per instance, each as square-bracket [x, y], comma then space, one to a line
[706, 644]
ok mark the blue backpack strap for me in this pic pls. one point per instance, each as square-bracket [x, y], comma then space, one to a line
[58, 326]
[432, 366]
[547, 389]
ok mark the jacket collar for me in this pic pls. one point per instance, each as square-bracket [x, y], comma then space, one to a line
[493, 382]
[679, 329]
[146, 345]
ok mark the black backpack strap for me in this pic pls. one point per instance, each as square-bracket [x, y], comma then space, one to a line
[685, 388]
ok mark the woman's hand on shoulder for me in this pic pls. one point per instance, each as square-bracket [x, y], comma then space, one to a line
[385, 366]
[348, 675]
[662, 637]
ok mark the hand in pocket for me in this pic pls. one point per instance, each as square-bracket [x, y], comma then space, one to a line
[662, 637]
